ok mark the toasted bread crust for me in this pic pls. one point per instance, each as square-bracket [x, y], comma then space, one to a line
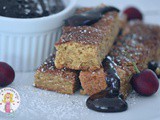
[141, 42]
[84, 47]
[48, 77]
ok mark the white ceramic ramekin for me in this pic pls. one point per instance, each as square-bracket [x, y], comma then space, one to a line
[26, 43]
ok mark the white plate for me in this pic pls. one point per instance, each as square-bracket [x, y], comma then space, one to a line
[39, 104]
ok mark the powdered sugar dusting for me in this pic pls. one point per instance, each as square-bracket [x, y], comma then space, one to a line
[82, 34]
[49, 66]
[46, 105]
[131, 99]
[52, 105]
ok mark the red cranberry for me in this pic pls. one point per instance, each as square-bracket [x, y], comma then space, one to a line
[7, 74]
[145, 83]
[133, 13]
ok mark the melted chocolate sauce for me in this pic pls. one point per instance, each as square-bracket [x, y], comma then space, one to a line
[89, 17]
[30, 8]
[106, 102]
[109, 100]
[153, 65]
[112, 79]
[120, 32]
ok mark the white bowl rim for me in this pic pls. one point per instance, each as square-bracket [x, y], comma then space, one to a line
[52, 16]
[36, 25]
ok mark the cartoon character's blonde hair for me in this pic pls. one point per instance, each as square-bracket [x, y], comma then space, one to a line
[11, 97]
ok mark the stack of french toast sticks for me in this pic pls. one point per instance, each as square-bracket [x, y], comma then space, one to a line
[83, 55]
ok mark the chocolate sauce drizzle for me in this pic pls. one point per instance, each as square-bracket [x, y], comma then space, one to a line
[89, 17]
[108, 100]
[153, 65]
[112, 79]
